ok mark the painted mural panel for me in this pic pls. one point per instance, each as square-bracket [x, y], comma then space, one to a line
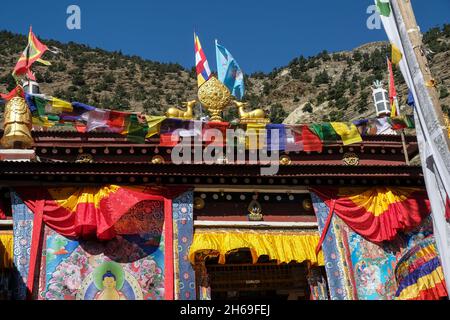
[357, 268]
[129, 267]
[374, 264]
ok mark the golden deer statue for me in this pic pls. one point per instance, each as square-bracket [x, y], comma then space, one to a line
[255, 116]
[180, 114]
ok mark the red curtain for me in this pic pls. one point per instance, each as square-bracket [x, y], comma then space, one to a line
[377, 213]
[88, 212]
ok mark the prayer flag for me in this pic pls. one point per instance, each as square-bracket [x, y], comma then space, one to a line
[154, 125]
[410, 100]
[276, 144]
[324, 131]
[392, 91]
[96, 119]
[384, 7]
[311, 142]
[14, 92]
[136, 129]
[348, 134]
[255, 136]
[78, 109]
[32, 53]
[396, 54]
[201, 64]
[294, 141]
[59, 106]
[229, 72]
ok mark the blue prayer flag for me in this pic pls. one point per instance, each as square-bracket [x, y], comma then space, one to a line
[410, 101]
[229, 72]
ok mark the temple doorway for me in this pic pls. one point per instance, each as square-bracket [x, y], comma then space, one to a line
[241, 279]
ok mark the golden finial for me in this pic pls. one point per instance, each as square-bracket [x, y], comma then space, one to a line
[17, 124]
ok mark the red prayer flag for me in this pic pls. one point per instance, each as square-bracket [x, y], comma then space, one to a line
[311, 142]
[32, 53]
[17, 90]
[116, 120]
[165, 140]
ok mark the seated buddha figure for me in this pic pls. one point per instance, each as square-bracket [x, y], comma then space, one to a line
[109, 292]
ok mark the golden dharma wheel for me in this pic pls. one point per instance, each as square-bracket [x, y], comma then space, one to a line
[215, 97]
[17, 124]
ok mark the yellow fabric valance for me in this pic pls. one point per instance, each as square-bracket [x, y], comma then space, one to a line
[6, 251]
[284, 246]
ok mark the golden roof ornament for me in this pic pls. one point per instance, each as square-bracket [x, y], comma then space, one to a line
[254, 116]
[180, 114]
[215, 97]
[17, 125]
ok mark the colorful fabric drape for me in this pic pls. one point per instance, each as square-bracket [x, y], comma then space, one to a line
[6, 251]
[377, 213]
[419, 273]
[86, 211]
[348, 135]
[284, 246]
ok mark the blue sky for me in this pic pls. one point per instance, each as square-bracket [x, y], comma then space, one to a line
[261, 34]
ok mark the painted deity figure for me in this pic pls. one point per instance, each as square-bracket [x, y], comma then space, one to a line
[110, 291]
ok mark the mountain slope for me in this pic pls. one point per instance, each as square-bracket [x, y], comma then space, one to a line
[328, 86]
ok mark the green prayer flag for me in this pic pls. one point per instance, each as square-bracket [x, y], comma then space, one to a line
[384, 7]
[136, 131]
[324, 131]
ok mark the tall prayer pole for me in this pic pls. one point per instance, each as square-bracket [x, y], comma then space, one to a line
[432, 136]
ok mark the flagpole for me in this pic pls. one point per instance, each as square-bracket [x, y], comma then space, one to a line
[415, 37]
[432, 137]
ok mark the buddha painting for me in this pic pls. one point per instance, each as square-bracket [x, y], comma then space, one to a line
[110, 291]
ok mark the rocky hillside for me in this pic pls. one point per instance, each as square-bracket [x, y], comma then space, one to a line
[328, 86]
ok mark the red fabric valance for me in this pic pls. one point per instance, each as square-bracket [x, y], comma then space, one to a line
[377, 213]
[88, 212]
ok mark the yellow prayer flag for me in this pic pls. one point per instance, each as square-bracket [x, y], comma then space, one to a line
[348, 135]
[44, 62]
[59, 106]
[255, 136]
[396, 54]
[154, 124]
[393, 110]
